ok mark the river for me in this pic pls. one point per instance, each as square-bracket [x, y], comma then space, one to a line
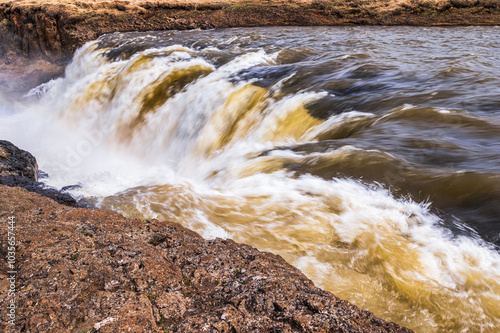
[368, 157]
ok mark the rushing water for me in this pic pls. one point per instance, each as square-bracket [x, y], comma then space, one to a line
[367, 157]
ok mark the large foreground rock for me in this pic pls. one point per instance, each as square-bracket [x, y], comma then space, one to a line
[83, 270]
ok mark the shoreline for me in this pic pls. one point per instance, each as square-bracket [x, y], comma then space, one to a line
[87, 270]
[38, 38]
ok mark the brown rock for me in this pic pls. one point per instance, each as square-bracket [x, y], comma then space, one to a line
[171, 306]
[82, 270]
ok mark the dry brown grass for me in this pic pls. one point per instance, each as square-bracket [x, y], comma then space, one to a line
[374, 6]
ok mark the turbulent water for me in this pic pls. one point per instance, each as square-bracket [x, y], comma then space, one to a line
[367, 157]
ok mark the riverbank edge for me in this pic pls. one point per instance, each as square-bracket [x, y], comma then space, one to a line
[87, 270]
[38, 38]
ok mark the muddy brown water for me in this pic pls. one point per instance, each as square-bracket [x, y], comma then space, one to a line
[369, 157]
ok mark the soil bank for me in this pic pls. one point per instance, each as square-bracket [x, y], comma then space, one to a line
[38, 37]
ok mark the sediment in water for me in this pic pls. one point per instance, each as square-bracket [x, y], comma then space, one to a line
[84, 270]
[38, 40]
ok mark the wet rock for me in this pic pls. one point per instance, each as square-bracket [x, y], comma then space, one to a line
[15, 162]
[19, 168]
[90, 270]
[70, 187]
[83, 270]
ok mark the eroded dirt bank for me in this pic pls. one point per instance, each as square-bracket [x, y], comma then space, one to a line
[85, 270]
[38, 37]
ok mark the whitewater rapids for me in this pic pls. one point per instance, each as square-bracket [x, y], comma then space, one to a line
[237, 139]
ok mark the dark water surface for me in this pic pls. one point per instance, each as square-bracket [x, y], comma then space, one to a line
[434, 94]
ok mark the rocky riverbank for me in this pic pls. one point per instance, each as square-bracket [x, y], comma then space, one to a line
[86, 270]
[18, 168]
[38, 37]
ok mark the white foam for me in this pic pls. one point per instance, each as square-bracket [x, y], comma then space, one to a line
[374, 213]
[210, 230]
[77, 140]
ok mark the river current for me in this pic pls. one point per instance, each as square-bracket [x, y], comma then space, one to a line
[368, 157]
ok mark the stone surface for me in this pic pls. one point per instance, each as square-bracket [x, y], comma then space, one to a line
[15, 162]
[83, 270]
[19, 168]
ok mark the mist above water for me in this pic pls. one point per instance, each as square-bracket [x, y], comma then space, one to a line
[367, 157]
